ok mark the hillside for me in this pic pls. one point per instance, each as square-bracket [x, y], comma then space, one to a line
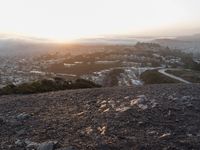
[189, 44]
[165, 116]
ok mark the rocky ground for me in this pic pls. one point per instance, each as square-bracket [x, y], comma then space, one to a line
[146, 117]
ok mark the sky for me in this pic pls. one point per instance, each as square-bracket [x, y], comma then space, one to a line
[72, 19]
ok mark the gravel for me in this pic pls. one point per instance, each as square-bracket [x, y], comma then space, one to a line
[165, 116]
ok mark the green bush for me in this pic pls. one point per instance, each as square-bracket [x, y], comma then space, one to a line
[82, 83]
[47, 85]
[9, 89]
[154, 77]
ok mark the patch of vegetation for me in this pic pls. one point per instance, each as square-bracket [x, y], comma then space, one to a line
[189, 75]
[154, 77]
[81, 69]
[112, 77]
[47, 85]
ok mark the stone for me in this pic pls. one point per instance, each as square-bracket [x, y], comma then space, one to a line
[2, 120]
[19, 142]
[143, 107]
[103, 147]
[15, 122]
[127, 97]
[170, 97]
[102, 130]
[141, 99]
[152, 132]
[189, 105]
[31, 145]
[189, 135]
[106, 110]
[68, 148]
[153, 103]
[165, 135]
[184, 98]
[122, 109]
[21, 132]
[22, 116]
[50, 145]
[141, 123]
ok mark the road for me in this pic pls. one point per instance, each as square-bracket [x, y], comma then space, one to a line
[163, 71]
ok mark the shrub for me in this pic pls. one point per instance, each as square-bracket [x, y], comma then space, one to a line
[47, 85]
[9, 89]
[82, 83]
[154, 77]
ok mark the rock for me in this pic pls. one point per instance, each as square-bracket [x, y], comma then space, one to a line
[141, 123]
[132, 138]
[142, 97]
[184, 98]
[31, 145]
[103, 102]
[10, 146]
[103, 147]
[22, 116]
[189, 135]
[152, 132]
[165, 135]
[89, 130]
[170, 97]
[103, 106]
[122, 109]
[106, 110]
[127, 97]
[68, 148]
[21, 132]
[19, 142]
[27, 141]
[153, 103]
[143, 107]
[50, 145]
[140, 101]
[169, 113]
[15, 123]
[2, 120]
[102, 130]
[189, 105]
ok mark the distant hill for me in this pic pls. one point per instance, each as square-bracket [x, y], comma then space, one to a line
[192, 38]
[185, 43]
[108, 41]
[114, 40]
[23, 46]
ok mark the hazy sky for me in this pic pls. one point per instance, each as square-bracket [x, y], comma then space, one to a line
[70, 19]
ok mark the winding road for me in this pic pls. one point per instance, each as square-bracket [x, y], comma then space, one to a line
[163, 71]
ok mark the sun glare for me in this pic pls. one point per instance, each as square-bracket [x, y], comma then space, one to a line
[72, 19]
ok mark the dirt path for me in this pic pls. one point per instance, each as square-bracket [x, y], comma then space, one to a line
[163, 71]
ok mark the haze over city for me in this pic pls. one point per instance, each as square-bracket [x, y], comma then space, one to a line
[66, 20]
